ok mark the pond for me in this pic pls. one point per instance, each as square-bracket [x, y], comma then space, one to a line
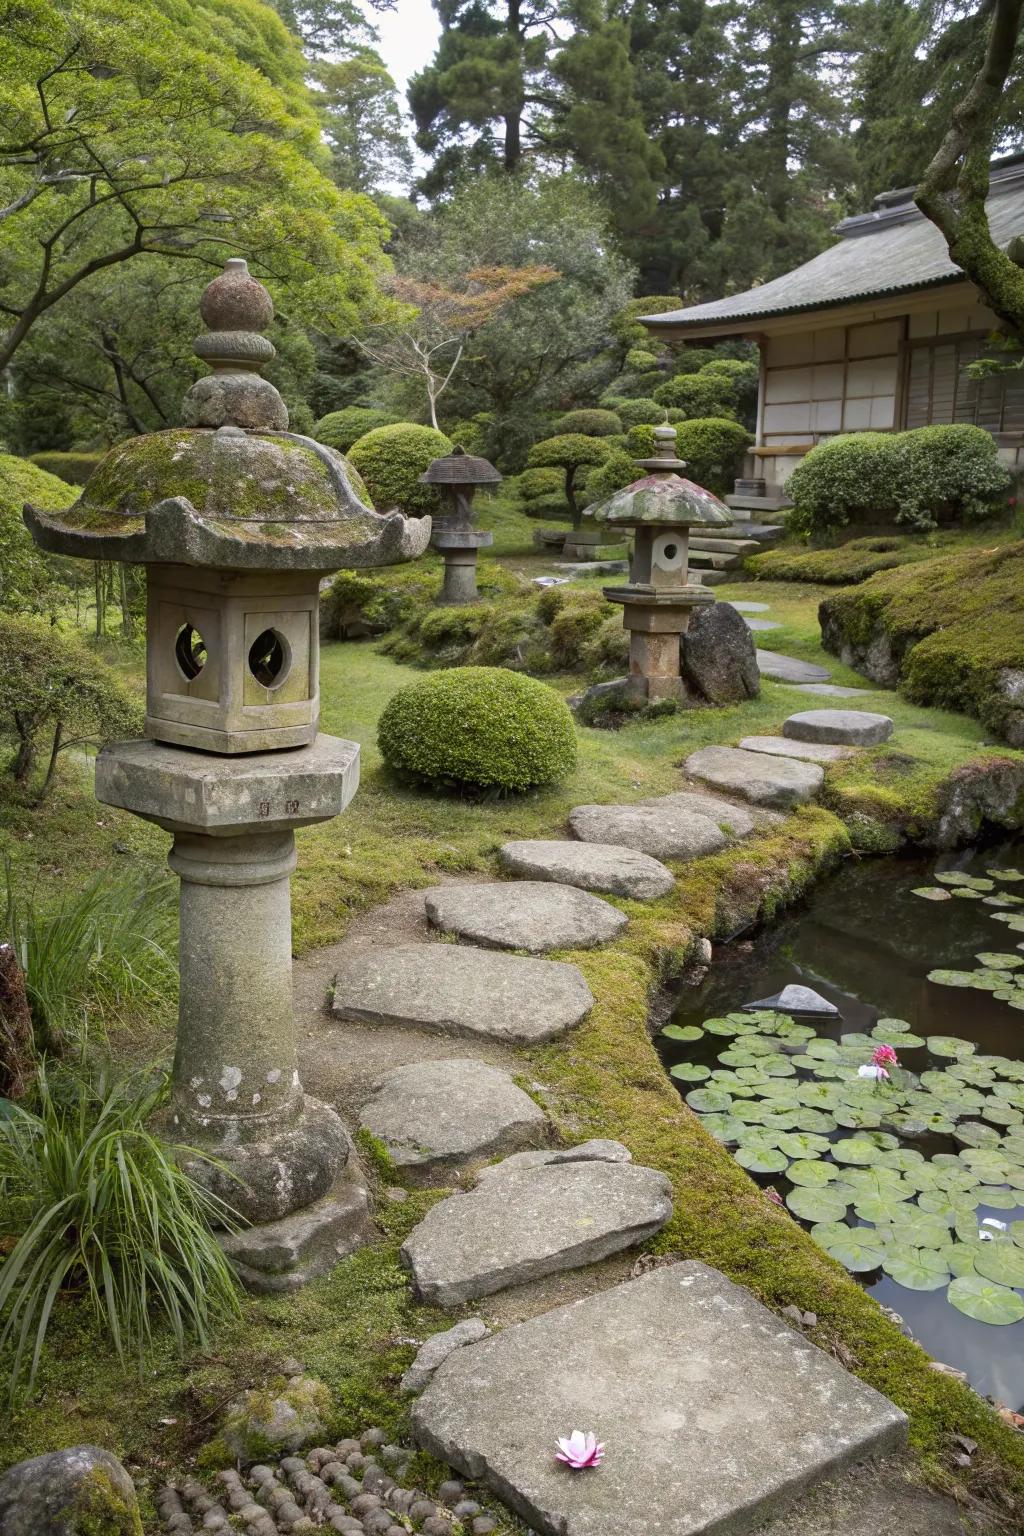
[915, 1183]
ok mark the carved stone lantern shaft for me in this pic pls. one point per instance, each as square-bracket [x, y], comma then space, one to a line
[457, 476]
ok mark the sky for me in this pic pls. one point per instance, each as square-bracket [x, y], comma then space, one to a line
[408, 36]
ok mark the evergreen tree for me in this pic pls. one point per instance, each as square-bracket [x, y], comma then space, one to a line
[363, 122]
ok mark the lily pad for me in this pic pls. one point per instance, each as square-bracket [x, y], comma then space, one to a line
[920, 1229]
[709, 1100]
[826, 1204]
[959, 1259]
[932, 893]
[801, 1144]
[879, 1208]
[952, 978]
[723, 1127]
[919, 1269]
[761, 1160]
[855, 1149]
[1000, 961]
[683, 1032]
[950, 1045]
[811, 1173]
[1001, 1261]
[852, 1246]
[689, 1072]
[984, 1300]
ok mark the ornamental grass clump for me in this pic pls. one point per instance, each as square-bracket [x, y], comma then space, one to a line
[478, 728]
[93, 1204]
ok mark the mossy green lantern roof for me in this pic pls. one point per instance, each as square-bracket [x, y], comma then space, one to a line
[662, 499]
[232, 488]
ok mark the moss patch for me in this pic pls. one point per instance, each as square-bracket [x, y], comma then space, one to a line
[101, 1508]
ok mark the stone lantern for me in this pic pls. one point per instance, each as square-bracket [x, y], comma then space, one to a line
[457, 476]
[658, 599]
[236, 520]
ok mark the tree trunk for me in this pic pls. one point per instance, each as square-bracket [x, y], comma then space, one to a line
[25, 757]
[570, 496]
[127, 622]
[51, 765]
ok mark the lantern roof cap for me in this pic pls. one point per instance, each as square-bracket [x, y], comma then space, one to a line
[460, 468]
[232, 488]
[662, 498]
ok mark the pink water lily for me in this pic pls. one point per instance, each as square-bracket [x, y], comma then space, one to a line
[885, 1056]
[579, 1450]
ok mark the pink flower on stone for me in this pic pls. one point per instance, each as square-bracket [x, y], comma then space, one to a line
[579, 1450]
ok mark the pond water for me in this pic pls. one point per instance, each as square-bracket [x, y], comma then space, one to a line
[943, 1206]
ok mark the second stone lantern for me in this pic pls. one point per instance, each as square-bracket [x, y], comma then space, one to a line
[658, 599]
[457, 476]
[236, 520]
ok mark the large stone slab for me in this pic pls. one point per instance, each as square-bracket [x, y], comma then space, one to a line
[536, 915]
[533, 1222]
[777, 782]
[848, 727]
[732, 819]
[762, 624]
[831, 690]
[451, 990]
[798, 1000]
[591, 866]
[273, 1257]
[599, 1150]
[665, 831]
[714, 1414]
[434, 1115]
[788, 669]
[805, 751]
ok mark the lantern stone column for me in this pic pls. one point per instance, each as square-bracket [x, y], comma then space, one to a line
[457, 476]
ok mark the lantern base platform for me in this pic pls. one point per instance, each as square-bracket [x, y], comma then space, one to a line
[631, 595]
[452, 538]
[189, 791]
[287, 1171]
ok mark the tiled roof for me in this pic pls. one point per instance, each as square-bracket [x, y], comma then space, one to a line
[894, 249]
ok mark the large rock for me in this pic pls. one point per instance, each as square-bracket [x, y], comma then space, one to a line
[805, 751]
[664, 831]
[591, 866]
[437, 1349]
[845, 727]
[83, 1491]
[718, 657]
[789, 669]
[714, 1414]
[535, 915]
[798, 1000]
[533, 1222]
[259, 1424]
[778, 782]
[445, 988]
[435, 1115]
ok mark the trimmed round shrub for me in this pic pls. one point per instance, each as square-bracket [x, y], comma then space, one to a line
[482, 728]
[72, 468]
[357, 482]
[713, 448]
[570, 451]
[340, 429]
[591, 423]
[391, 460]
[955, 469]
[642, 412]
[535, 483]
[699, 394]
[617, 470]
[640, 360]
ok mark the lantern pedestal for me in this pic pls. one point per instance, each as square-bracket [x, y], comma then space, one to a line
[459, 547]
[236, 1092]
[656, 618]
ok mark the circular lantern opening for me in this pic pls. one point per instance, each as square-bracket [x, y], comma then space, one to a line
[671, 550]
[268, 658]
[190, 652]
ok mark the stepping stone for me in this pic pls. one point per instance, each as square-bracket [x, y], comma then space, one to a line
[597, 1151]
[665, 831]
[751, 607]
[533, 1222]
[714, 1413]
[778, 782]
[796, 999]
[433, 1115]
[526, 914]
[831, 690]
[809, 751]
[761, 624]
[733, 819]
[787, 669]
[850, 727]
[591, 866]
[456, 991]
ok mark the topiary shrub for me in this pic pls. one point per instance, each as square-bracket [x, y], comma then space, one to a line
[956, 470]
[700, 394]
[532, 484]
[640, 360]
[618, 470]
[481, 728]
[72, 468]
[713, 447]
[591, 423]
[570, 452]
[28, 578]
[391, 460]
[843, 566]
[642, 412]
[860, 475]
[340, 429]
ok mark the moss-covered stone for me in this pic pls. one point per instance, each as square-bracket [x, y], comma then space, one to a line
[284, 1416]
[82, 1491]
[846, 564]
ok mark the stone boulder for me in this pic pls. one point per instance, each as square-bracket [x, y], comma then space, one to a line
[718, 657]
[271, 1422]
[83, 1491]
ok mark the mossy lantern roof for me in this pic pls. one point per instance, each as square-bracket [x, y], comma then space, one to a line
[663, 498]
[232, 488]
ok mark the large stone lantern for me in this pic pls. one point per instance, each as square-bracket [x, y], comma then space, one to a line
[236, 521]
[457, 476]
[658, 599]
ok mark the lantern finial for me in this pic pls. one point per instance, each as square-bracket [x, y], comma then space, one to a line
[237, 309]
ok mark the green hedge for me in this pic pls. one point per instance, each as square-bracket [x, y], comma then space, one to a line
[391, 460]
[73, 468]
[699, 394]
[591, 423]
[340, 429]
[478, 727]
[917, 478]
[713, 447]
[28, 578]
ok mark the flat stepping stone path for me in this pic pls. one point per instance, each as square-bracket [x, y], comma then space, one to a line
[733, 819]
[787, 669]
[671, 827]
[599, 1150]
[714, 1413]
[435, 1115]
[536, 915]
[751, 607]
[831, 690]
[777, 782]
[761, 624]
[457, 991]
[808, 751]
[591, 866]
[847, 727]
[531, 1222]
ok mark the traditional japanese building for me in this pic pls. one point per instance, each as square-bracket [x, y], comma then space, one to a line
[873, 334]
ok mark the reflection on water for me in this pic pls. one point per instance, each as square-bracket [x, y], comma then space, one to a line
[866, 943]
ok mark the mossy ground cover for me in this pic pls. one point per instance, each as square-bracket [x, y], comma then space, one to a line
[606, 1076]
[855, 559]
